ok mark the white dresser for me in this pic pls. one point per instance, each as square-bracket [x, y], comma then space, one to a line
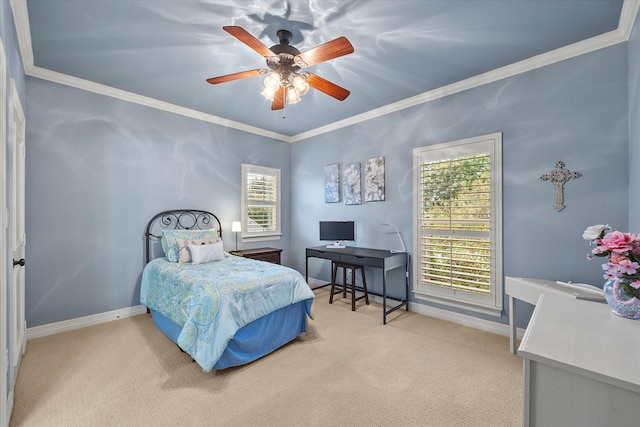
[581, 366]
[529, 290]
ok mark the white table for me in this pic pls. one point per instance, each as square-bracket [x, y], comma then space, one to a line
[581, 366]
[529, 290]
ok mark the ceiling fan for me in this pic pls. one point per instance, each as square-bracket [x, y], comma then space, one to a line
[283, 81]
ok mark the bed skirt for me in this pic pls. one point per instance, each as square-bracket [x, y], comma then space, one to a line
[257, 339]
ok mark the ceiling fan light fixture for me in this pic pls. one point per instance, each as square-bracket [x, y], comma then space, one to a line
[272, 81]
[299, 82]
[269, 93]
[292, 95]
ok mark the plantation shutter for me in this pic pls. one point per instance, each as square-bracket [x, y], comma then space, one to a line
[458, 223]
[262, 201]
[261, 191]
[456, 220]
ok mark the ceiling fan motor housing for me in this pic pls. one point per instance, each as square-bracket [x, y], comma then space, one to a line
[284, 64]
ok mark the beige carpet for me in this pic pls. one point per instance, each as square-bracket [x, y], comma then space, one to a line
[348, 370]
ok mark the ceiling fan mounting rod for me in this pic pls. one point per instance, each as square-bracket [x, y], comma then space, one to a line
[284, 36]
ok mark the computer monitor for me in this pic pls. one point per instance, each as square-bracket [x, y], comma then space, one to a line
[337, 232]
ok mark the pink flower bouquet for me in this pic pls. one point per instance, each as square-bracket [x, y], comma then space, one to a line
[622, 251]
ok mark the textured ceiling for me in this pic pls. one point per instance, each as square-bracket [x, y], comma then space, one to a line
[165, 50]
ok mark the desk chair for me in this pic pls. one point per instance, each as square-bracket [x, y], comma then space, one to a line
[343, 288]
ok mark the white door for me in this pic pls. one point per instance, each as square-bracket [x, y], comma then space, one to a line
[18, 238]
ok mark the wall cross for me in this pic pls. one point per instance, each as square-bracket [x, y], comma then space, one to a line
[558, 177]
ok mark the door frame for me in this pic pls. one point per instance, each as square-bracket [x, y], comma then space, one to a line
[4, 227]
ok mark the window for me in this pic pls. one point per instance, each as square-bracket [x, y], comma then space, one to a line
[458, 223]
[261, 202]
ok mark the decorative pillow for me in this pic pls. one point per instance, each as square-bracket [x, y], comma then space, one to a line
[170, 245]
[206, 253]
[183, 252]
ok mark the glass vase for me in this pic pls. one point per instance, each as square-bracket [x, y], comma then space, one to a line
[621, 304]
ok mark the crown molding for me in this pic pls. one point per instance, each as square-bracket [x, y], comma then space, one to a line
[620, 35]
[23, 31]
[628, 17]
[75, 82]
[580, 48]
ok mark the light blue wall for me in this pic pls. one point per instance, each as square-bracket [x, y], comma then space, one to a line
[634, 128]
[92, 158]
[97, 170]
[574, 111]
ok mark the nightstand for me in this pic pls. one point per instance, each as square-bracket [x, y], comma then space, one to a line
[262, 254]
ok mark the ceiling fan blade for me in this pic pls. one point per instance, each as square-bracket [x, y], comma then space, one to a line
[235, 76]
[329, 50]
[246, 38]
[327, 87]
[278, 99]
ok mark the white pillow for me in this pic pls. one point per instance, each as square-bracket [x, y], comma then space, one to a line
[183, 252]
[169, 239]
[206, 253]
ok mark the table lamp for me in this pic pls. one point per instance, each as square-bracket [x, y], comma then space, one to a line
[236, 227]
[404, 247]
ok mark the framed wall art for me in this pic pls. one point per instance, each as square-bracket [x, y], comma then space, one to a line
[374, 180]
[332, 183]
[351, 184]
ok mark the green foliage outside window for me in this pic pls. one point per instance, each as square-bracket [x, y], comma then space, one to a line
[455, 246]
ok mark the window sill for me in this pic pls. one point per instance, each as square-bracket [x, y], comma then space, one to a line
[491, 311]
[248, 239]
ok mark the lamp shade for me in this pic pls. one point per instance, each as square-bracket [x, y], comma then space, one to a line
[236, 226]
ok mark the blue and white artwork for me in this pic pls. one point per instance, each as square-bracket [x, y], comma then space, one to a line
[374, 180]
[332, 183]
[351, 184]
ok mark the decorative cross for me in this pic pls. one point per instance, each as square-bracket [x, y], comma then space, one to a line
[558, 177]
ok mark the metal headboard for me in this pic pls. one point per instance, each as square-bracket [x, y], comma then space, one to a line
[178, 219]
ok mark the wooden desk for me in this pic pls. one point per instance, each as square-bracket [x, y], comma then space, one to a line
[581, 365]
[529, 290]
[376, 258]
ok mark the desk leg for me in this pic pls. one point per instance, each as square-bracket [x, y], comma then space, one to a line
[384, 297]
[306, 269]
[406, 283]
[512, 324]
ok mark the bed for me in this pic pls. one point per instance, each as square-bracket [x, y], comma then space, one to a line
[221, 309]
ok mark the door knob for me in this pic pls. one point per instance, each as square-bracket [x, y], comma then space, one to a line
[20, 263]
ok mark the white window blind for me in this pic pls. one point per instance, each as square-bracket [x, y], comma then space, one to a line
[261, 196]
[458, 241]
[455, 244]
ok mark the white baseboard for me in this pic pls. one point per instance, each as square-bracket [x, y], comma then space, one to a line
[81, 322]
[450, 316]
[313, 282]
[465, 320]
[9, 408]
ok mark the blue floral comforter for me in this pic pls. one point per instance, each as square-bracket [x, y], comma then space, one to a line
[212, 301]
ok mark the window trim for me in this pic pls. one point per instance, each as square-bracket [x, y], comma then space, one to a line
[493, 303]
[246, 235]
